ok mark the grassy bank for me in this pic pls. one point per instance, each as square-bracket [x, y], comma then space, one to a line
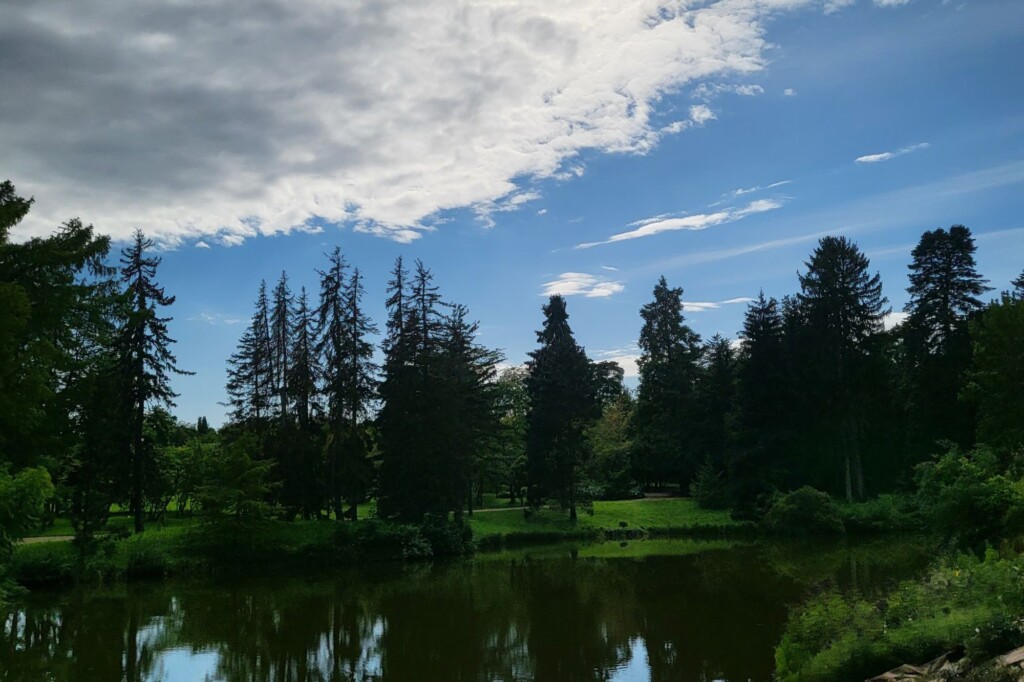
[618, 519]
[963, 601]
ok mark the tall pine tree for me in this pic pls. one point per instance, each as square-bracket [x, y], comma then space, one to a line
[562, 404]
[144, 356]
[662, 421]
[842, 307]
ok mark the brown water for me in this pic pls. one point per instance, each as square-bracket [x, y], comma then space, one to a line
[654, 610]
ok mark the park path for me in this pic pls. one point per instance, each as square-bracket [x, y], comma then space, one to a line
[46, 538]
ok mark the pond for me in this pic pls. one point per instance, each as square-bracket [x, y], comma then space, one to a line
[653, 610]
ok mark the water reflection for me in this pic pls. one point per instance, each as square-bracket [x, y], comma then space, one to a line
[549, 615]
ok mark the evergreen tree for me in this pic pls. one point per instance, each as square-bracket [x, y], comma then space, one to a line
[944, 290]
[997, 381]
[842, 306]
[358, 386]
[506, 466]
[250, 374]
[715, 398]
[280, 333]
[303, 380]
[668, 369]
[761, 404]
[562, 404]
[1018, 286]
[144, 355]
[469, 404]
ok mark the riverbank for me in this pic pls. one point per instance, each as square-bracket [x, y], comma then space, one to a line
[190, 546]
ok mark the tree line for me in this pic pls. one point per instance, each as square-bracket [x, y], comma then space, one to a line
[324, 420]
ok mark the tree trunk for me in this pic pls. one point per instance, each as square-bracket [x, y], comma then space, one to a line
[137, 469]
[849, 485]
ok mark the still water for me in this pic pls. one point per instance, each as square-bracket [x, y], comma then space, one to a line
[655, 610]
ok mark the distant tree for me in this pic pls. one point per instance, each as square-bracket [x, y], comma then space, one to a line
[1018, 286]
[145, 357]
[250, 375]
[610, 469]
[997, 381]
[668, 371]
[715, 394]
[506, 466]
[303, 386]
[563, 403]
[202, 426]
[469, 404]
[608, 381]
[281, 342]
[944, 293]
[358, 391]
[842, 306]
[762, 404]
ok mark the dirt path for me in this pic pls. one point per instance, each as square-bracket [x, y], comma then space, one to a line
[46, 538]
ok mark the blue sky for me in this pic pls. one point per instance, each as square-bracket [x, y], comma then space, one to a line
[578, 147]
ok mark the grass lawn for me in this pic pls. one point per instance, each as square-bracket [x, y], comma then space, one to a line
[645, 516]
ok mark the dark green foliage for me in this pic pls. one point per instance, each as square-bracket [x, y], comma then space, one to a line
[710, 488]
[664, 449]
[562, 404]
[944, 294]
[966, 496]
[997, 382]
[838, 311]
[804, 512]
[144, 357]
[762, 405]
[610, 469]
[883, 514]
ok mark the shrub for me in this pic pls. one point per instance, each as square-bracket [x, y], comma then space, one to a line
[881, 514]
[965, 496]
[709, 488]
[804, 512]
[447, 538]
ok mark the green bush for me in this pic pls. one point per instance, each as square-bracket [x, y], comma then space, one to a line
[804, 512]
[882, 514]
[965, 496]
[965, 601]
[45, 563]
[709, 488]
[447, 538]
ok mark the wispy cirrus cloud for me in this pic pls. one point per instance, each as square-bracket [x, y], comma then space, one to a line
[741, 191]
[703, 306]
[214, 318]
[649, 227]
[885, 156]
[582, 284]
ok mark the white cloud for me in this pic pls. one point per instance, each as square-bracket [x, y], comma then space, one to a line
[485, 210]
[789, 92]
[702, 306]
[609, 268]
[582, 284]
[201, 245]
[542, 211]
[891, 3]
[885, 156]
[625, 357]
[701, 114]
[214, 318]
[836, 5]
[231, 120]
[740, 191]
[658, 224]
[894, 319]
[708, 91]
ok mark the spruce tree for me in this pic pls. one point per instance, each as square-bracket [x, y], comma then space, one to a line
[715, 404]
[562, 404]
[944, 290]
[668, 369]
[280, 333]
[303, 381]
[330, 347]
[761, 404]
[250, 374]
[144, 355]
[842, 306]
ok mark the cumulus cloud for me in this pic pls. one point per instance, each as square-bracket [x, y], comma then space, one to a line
[649, 227]
[885, 156]
[894, 319]
[230, 120]
[582, 284]
[201, 245]
[789, 92]
[703, 306]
